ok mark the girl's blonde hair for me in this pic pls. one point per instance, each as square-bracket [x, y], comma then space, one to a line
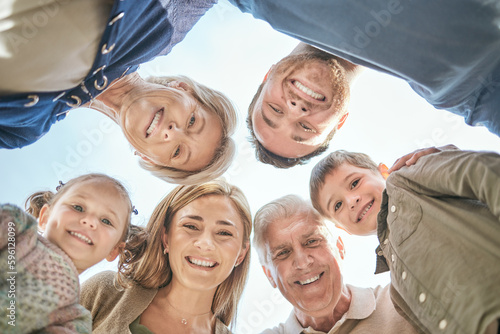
[217, 103]
[144, 263]
[36, 201]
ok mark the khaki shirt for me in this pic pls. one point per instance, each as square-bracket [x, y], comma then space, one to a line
[439, 232]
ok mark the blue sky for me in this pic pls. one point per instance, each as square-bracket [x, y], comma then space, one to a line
[231, 51]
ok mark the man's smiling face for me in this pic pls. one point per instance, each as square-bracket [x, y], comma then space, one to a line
[302, 264]
[300, 104]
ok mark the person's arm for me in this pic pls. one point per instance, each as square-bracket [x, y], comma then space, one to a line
[14, 222]
[412, 158]
[467, 174]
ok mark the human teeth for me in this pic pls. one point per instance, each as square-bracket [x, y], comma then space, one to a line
[202, 263]
[365, 211]
[308, 91]
[309, 280]
[81, 237]
[153, 124]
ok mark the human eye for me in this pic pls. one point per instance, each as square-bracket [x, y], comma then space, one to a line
[355, 183]
[282, 254]
[277, 111]
[338, 205]
[306, 128]
[312, 242]
[177, 152]
[225, 233]
[192, 120]
[77, 207]
[106, 221]
[190, 226]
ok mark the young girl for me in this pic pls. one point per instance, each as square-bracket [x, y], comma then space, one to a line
[86, 221]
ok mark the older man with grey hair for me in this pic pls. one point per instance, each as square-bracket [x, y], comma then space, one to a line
[299, 256]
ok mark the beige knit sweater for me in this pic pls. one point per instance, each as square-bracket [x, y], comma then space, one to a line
[113, 309]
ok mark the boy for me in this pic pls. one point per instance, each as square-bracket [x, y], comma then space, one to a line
[438, 226]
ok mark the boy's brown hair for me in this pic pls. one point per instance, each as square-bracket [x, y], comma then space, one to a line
[328, 164]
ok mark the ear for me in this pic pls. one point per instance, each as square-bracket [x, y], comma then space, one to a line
[180, 85]
[384, 171]
[144, 157]
[267, 74]
[340, 247]
[242, 254]
[115, 251]
[342, 120]
[43, 217]
[164, 241]
[267, 272]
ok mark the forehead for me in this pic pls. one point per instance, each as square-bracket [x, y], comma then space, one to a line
[217, 207]
[293, 228]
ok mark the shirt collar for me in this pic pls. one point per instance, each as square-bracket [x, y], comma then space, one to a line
[363, 304]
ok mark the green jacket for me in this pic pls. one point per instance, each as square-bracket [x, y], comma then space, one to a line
[439, 233]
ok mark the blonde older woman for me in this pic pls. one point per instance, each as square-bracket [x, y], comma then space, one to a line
[54, 59]
[184, 273]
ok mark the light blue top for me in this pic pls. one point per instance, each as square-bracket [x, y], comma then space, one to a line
[447, 50]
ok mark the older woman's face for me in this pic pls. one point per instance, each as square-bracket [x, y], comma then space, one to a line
[168, 127]
[205, 242]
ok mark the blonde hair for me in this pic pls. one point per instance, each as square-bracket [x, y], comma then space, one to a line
[218, 104]
[283, 208]
[36, 201]
[144, 263]
[328, 164]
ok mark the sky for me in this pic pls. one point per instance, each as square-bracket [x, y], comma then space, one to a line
[231, 51]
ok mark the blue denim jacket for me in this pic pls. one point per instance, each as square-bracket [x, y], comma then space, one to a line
[137, 32]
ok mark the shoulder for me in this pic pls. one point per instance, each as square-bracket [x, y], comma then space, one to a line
[99, 290]
[221, 328]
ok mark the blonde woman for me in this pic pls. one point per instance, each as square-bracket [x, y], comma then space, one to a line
[54, 59]
[183, 273]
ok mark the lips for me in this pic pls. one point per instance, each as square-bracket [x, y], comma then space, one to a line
[308, 91]
[154, 122]
[201, 263]
[365, 210]
[309, 280]
[81, 237]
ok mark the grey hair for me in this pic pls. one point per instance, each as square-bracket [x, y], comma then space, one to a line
[217, 103]
[282, 208]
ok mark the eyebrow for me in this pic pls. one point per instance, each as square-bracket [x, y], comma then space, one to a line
[110, 210]
[200, 219]
[267, 120]
[331, 197]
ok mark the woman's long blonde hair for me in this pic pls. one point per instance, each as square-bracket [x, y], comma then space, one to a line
[145, 264]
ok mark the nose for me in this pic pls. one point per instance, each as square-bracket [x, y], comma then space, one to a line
[302, 259]
[297, 106]
[353, 200]
[90, 221]
[205, 242]
[172, 132]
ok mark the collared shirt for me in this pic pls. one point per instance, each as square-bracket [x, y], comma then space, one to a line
[371, 311]
[439, 235]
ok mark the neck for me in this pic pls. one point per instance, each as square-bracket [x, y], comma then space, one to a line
[324, 320]
[352, 71]
[186, 302]
[111, 101]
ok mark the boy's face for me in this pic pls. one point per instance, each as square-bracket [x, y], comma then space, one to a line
[351, 196]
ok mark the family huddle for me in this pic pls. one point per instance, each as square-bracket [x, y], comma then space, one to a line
[435, 212]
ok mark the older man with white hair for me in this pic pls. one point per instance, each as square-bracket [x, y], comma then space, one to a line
[299, 256]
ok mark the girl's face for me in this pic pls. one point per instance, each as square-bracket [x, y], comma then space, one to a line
[87, 222]
[168, 127]
[205, 242]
